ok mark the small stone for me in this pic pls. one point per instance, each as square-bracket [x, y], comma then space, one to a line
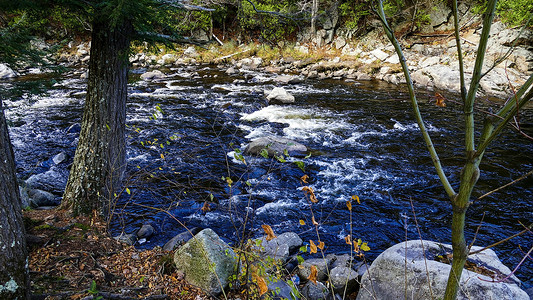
[146, 231]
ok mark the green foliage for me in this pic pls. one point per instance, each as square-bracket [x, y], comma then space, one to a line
[512, 12]
[353, 12]
[269, 18]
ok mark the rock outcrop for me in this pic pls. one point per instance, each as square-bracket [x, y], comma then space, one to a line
[401, 270]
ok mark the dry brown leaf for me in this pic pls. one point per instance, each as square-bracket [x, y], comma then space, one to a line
[269, 232]
[304, 178]
[439, 100]
[349, 205]
[348, 239]
[261, 284]
[312, 247]
[206, 207]
[321, 245]
[314, 274]
[309, 190]
[314, 221]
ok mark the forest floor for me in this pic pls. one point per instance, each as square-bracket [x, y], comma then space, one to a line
[74, 258]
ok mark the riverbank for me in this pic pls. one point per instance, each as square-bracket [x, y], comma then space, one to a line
[432, 59]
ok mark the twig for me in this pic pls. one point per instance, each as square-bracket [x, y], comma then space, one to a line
[506, 185]
[477, 230]
[423, 249]
[503, 241]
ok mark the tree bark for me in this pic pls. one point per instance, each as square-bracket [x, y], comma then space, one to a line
[14, 273]
[99, 162]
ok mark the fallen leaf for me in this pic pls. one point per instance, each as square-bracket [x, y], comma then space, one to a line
[304, 179]
[321, 245]
[261, 284]
[313, 276]
[309, 190]
[206, 207]
[269, 232]
[439, 100]
[348, 239]
[312, 247]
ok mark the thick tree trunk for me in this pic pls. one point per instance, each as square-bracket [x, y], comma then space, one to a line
[14, 274]
[99, 162]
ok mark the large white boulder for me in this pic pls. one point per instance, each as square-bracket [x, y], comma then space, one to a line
[401, 270]
[279, 95]
[207, 262]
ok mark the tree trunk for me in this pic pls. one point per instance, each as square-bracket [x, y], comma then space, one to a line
[314, 12]
[99, 162]
[14, 274]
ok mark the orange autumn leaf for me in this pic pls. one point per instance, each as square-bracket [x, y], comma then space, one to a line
[261, 284]
[348, 239]
[349, 205]
[309, 190]
[321, 245]
[304, 179]
[302, 222]
[269, 232]
[439, 100]
[312, 247]
[314, 274]
[356, 198]
[206, 207]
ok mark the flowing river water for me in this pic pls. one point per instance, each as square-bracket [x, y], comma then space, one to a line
[184, 137]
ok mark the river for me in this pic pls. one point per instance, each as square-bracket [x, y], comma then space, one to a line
[184, 137]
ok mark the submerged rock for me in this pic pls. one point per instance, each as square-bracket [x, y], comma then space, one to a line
[180, 239]
[401, 270]
[275, 146]
[207, 262]
[145, 231]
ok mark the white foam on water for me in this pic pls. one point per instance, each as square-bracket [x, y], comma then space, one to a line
[279, 208]
[303, 123]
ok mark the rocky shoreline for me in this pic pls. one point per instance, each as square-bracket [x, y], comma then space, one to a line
[432, 66]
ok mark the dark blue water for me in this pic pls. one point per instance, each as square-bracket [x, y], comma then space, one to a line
[183, 133]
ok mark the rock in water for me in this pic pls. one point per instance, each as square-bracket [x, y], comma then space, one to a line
[401, 270]
[279, 95]
[180, 239]
[207, 262]
[275, 146]
[6, 72]
[153, 75]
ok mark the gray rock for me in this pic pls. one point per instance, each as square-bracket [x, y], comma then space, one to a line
[530, 292]
[344, 280]
[207, 262]
[153, 75]
[394, 276]
[379, 54]
[59, 158]
[288, 79]
[43, 198]
[344, 260]
[275, 146]
[145, 231]
[281, 290]
[312, 291]
[180, 239]
[279, 95]
[190, 52]
[281, 246]
[128, 239]
[232, 71]
[321, 264]
[53, 180]
[6, 72]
